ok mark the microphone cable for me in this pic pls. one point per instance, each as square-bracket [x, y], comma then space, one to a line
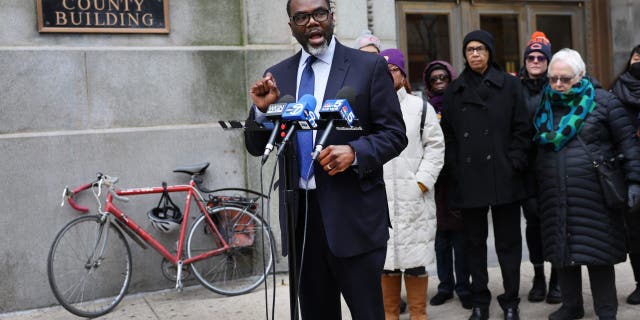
[271, 243]
[304, 233]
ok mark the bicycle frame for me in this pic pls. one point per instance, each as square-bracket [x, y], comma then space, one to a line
[191, 191]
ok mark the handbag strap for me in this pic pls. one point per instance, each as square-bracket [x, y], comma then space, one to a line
[593, 159]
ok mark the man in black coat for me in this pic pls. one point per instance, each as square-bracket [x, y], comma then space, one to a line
[487, 135]
[343, 216]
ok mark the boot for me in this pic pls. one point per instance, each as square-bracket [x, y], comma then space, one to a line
[391, 284]
[539, 288]
[417, 296]
[634, 297]
[554, 295]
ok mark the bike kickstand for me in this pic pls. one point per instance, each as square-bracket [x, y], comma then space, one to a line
[179, 285]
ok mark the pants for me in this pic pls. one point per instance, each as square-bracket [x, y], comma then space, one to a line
[508, 243]
[323, 276]
[533, 231]
[450, 244]
[603, 289]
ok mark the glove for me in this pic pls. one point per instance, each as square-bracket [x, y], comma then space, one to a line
[634, 196]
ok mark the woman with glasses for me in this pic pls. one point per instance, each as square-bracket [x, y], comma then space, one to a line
[449, 235]
[488, 134]
[579, 127]
[627, 89]
[410, 180]
[534, 77]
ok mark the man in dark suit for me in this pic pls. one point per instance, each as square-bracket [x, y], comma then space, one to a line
[343, 202]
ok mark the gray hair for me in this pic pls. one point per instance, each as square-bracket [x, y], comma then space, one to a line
[572, 58]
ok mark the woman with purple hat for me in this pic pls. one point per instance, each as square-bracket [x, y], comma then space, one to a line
[410, 180]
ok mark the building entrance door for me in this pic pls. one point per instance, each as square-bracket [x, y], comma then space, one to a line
[434, 30]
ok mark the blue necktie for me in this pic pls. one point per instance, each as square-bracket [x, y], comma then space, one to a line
[305, 137]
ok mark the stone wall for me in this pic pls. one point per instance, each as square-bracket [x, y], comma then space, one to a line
[130, 105]
[625, 23]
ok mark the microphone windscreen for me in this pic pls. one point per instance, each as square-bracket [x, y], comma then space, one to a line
[287, 99]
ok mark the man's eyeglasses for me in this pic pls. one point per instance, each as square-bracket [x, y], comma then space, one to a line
[563, 79]
[534, 58]
[394, 69]
[479, 49]
[302, 18]
[440, 77]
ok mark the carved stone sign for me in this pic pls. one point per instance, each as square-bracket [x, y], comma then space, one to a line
[103, 16]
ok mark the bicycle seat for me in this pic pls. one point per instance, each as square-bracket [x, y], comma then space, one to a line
[194, 169]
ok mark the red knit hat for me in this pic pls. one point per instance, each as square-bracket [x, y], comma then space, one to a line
[540, 43]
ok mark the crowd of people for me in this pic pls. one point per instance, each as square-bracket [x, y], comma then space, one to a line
[418, 182]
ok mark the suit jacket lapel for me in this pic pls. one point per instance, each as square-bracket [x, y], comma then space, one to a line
[339, 68]
[287, 82]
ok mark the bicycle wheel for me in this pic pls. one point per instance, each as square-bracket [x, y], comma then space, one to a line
[245, 264]
[89, 266]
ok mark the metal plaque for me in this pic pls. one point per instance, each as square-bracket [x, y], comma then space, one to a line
[103, 16]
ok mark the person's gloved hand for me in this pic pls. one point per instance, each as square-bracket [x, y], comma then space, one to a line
[634, 196]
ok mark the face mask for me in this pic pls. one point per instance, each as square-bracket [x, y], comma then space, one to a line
[634, 70]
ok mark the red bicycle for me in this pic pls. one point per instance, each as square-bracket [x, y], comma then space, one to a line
[229, 248]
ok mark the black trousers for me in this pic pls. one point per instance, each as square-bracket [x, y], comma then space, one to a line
[508, 243]
[533, 232]
[324, 276]
[603, 289]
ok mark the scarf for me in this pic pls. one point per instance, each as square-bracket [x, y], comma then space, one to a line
[580, 101]
[436, 101]
[627, 88]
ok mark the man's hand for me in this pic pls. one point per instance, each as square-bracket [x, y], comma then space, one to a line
[335, 159]
[265, 92]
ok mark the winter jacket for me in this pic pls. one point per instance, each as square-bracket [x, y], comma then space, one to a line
[532, 93]
[627, 89]
[487, 140]
[577, 227]
[412, 212]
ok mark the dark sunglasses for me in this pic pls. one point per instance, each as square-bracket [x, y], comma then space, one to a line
[302, 18]
[534, 58]
[441, 77]
[565, 80]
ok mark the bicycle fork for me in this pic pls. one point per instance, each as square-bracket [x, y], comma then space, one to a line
[94, 260]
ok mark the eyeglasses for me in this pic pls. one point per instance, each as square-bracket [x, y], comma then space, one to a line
[479, 49]
[563, 79]
[302, 18]
[440, 77]
[534, 58]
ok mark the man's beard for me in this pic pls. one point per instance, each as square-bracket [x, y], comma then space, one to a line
[319, 50]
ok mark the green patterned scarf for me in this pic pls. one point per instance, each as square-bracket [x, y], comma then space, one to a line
[580, 101]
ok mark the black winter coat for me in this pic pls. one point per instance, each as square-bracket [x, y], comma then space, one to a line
[532, 92]
[486, 140]
[577, 227]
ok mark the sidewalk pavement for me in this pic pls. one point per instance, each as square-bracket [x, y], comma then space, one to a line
[199, 303]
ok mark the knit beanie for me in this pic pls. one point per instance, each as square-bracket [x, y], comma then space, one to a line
[367, 38]
[539, 43]
[394, 57]
[479, 35]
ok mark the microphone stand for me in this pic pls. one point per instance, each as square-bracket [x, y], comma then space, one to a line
[291, 209]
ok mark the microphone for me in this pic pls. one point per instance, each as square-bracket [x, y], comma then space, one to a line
[338, 109]
[302, 113]
[274, 113]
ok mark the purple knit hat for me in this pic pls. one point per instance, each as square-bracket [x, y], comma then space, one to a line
[394, 57]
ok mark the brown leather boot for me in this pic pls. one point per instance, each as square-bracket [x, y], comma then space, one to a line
[417, 296]
[391, 284]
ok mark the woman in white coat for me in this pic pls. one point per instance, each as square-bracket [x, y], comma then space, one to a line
[409, 180]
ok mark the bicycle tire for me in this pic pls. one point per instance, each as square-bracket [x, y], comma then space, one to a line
[241, 268]
[84, 286]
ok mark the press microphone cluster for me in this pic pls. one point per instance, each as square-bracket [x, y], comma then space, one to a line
[301, 115]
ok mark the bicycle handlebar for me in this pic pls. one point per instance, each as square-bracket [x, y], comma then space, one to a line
[101, 180]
